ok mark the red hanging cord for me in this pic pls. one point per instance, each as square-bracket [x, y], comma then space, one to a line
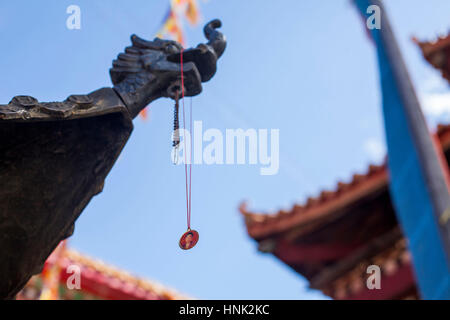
[190, 238]
[188, 179]
[190, 163]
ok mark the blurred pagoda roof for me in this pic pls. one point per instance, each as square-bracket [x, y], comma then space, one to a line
[325, 206]
[332, 238]
[437, 53]
[99, 281]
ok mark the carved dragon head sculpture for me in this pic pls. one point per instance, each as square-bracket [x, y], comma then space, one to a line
[148, 70]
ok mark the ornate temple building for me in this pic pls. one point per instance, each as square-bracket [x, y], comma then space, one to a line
[98, 282]
[333, 238]
[437, 53]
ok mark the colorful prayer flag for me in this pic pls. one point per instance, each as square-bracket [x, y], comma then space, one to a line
[51, 274]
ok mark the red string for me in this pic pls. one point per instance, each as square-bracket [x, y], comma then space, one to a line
[188, 182]
[190, 164]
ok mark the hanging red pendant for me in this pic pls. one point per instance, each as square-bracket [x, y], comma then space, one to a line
[189, 239]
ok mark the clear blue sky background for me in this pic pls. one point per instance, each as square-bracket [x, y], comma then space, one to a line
[305, 67]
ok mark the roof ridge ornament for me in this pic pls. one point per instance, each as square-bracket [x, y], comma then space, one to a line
[55, 156]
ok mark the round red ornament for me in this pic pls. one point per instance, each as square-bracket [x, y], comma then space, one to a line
[189, 239]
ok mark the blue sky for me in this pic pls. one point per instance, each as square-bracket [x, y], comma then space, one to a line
[304, 67]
